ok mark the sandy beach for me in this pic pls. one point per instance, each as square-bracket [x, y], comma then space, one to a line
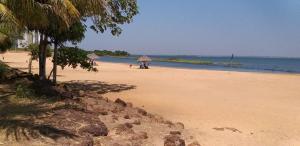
[222, 108]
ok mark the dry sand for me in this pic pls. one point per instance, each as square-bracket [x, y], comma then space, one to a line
[220, 107]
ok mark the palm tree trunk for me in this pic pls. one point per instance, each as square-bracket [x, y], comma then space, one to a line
[55, 62]
[42, 57]
[30, 64]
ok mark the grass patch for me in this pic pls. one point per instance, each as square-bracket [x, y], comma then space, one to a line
[24, 91]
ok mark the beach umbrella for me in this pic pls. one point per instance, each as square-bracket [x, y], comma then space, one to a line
[144, 59]
[92, 56]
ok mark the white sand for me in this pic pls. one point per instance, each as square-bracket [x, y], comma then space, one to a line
[265, 107]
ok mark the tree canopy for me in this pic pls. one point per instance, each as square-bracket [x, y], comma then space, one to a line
[59, 21]
[73, 56]
[5, 43]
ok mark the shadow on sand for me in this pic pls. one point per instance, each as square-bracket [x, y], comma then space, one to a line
[97, 86]
[21, 121]
[25, 120]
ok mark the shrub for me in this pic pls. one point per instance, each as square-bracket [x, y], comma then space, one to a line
[5, 43]
[34, 51]
[23, 91]
[73, 56]
[2, 70]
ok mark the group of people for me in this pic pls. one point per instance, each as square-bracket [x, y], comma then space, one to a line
[143, 65]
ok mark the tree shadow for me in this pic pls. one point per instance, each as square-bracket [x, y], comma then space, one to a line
[5, 92]
[20, 129]
[26, 68]
[34, 120]
[10, 110]
[97, 86]
[24, 121]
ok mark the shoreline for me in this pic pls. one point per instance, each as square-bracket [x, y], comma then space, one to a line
[214, 105]
[203, 69]
[215, 65]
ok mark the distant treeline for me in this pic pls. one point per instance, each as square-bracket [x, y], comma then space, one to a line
[97, 52]
[111, 53]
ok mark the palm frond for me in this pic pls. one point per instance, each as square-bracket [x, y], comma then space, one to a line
[9, 25]
[7, 16]
[65, 10]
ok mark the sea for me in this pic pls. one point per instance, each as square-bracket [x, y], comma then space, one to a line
[244, 64]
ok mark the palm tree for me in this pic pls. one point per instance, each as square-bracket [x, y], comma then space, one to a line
[35, 15]
[38, 15]
[8, 27]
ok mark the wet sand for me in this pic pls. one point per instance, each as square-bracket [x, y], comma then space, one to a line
[220, 107]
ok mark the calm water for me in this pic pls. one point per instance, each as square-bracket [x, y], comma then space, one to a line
[254, 64]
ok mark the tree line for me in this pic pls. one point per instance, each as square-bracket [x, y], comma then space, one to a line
[111, 53]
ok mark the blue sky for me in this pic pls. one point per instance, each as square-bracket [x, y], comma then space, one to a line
[208, 27]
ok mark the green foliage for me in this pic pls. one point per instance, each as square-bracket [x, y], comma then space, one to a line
[34, 51]
[24, 91]
[63, 20]
[5, 43]
[121, 53]
[3, 69]
[8, 32]
[107, 15]
[41, 15]
[74, 34]
[73, 56]
[111, 53]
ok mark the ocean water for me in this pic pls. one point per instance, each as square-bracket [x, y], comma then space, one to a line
[246, 64]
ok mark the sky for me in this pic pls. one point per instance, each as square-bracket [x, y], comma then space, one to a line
[208, 28]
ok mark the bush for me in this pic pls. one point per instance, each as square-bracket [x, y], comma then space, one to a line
[5, 43]
[73, 56]
[23, 91]
[2, 70]
[34, 51]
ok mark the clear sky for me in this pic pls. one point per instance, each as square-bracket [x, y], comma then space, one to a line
[208, 27]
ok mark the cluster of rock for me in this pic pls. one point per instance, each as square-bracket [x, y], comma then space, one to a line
[105, 122]
[85, 118]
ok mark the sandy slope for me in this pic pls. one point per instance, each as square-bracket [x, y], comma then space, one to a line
[259, 109]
